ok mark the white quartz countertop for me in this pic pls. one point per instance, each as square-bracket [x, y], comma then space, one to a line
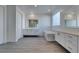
[65, 30]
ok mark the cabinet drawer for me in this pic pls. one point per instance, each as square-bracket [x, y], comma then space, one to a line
[71, 36]
[71, 43]
[60, 38]
[71, 48]
[72, 39]
[57, 37]
[68, 41]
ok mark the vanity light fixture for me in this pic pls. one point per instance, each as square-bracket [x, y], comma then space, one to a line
[32, 16]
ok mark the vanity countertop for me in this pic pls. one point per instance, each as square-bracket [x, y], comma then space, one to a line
[65, 30]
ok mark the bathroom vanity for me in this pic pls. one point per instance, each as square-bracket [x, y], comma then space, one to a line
[68, 38]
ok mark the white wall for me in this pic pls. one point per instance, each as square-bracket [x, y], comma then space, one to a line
[23, 21]
[19, 23]
[3, 24]
[8, 24]
[11, 23]
[18, 26]
[43, 23]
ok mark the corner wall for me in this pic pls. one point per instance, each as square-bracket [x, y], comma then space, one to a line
[11, 23]
[3, 24]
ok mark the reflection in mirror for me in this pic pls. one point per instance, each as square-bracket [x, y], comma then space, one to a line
[70, 19]
[70, 23]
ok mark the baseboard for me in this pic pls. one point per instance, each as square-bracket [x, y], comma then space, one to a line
[30, 35]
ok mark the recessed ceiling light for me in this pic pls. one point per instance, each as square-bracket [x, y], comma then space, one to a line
[35, 5]
[49, 10]
[62, 10]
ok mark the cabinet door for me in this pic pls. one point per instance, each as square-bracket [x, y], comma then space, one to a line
[67, 41]
[18, 25]
[60, 38]
[72, 43]
[64, 42]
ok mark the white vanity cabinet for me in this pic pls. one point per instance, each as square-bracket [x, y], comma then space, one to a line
[60, 38]
[71, 43]
[78, 44]
[68, 41]
[49, 35]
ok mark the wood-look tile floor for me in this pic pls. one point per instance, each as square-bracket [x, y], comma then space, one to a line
[32, 45]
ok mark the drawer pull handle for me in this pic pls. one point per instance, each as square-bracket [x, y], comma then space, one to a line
[70, 41]
[58, 33]
[70, 48]
[70, 36]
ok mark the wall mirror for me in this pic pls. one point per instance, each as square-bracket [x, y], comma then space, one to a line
[33, 23]
[71, 19]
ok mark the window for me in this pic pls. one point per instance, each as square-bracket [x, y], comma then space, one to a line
[56, 19]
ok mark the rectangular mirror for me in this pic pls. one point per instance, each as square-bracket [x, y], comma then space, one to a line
[71, 19]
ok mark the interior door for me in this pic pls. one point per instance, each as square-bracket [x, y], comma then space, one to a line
[18, 25]
[1, 25]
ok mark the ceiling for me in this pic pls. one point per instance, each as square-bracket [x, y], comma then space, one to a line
[43, 9]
